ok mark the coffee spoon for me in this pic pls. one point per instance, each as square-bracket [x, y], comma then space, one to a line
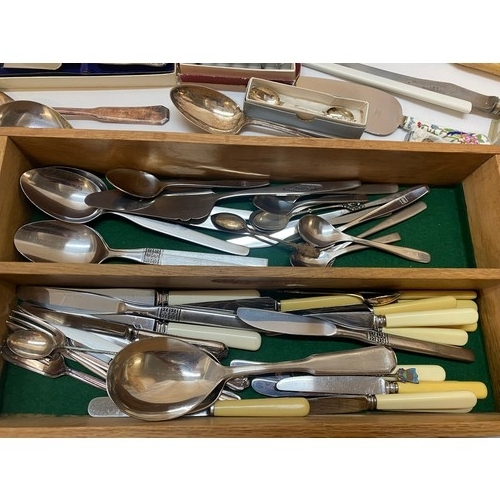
[320, 233]
[161, 378]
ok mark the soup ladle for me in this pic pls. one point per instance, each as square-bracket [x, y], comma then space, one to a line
[216, 113]
[320, 233]
[162, 378]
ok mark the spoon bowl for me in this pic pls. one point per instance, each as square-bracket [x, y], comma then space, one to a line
[31, 114]
[162, 378]
[216, 113]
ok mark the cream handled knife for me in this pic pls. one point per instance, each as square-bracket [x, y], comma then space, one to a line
[372, 385]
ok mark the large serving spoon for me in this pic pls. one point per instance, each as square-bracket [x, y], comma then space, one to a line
[145, 185]
[236, 224]
[61, 191]
[162, 378]
[53, 367]
[149, 115]
[215, 112]
[32, 115]
[320, 233]
[63, 242]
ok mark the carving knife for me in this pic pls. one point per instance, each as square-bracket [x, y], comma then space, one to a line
[483, 103]
[378, 81]
[362, 385]
[297, 324]
[224, 326]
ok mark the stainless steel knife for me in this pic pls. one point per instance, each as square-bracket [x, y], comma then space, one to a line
[120, 329]
[217, 324]
[372, 385]
[480, 102]
[297, 324]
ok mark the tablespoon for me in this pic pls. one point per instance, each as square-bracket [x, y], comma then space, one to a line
[162, 378]
[30, 114]
[53, 367]
[319, 232]
[145, 185]
[215, 112]
[61, 191]
[58, 241]
[235, 223]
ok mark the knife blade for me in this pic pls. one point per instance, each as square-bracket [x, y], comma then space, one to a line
[118, 329]
[363, 385]
[425, 95]
[234, 333]
[480, 102]
[297, 324]
[453, 401]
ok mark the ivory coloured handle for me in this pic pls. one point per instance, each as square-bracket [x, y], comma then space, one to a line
[439, 335]
[264, 407]
[478, 388]
[427, 373]
[441, 317]
[451, 400]
[428, 304]
[421, 294]
[233, 337]
[321, 301]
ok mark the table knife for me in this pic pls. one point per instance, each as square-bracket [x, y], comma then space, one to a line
[297, 324]
[480, 102]
[219, 325]
[453, 401]
[160, 297]
[363, 385]
[113, 328]
[264, 407]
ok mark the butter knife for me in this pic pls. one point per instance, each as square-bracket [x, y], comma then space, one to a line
[480, 102]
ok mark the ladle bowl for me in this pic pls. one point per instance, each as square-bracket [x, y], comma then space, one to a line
[31, 114]
[162, 378]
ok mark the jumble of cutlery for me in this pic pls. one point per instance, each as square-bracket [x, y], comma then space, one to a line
[160, 355]
[312, 219]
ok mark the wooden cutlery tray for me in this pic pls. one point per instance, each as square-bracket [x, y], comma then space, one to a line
[469, 171]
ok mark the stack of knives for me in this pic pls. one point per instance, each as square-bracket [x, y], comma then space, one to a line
[432, 323]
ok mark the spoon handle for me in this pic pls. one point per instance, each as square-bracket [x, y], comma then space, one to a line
[376, 360]
[86, 378]
[284, 128]
[151, 115]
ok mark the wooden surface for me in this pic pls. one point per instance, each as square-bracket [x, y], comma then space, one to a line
[277, 159]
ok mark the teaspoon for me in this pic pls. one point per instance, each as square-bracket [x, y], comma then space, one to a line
[161, 378]
[234, 223]
[320, 233]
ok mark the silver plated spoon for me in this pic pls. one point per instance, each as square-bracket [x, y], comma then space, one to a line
[162, 378]
[63, 242]
[320, 233]
[145, 185]
[215, 112]
[31, 114]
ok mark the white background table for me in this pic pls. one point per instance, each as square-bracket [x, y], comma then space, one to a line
[472, 79]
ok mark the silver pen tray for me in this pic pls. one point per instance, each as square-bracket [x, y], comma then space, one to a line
[306, 109]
